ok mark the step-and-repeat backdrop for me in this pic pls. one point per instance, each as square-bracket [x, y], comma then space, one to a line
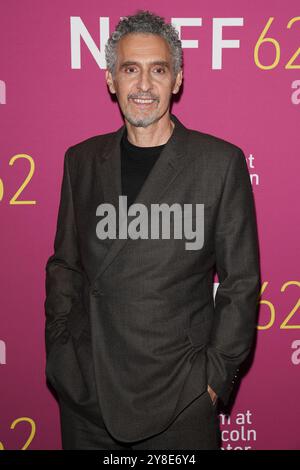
[241, 83]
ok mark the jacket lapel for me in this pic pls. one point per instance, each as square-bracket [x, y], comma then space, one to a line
[162, 175]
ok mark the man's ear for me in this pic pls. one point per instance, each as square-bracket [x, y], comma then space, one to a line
[109, 81]
[177, 83]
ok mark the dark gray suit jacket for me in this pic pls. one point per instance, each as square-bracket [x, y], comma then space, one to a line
[146, 306]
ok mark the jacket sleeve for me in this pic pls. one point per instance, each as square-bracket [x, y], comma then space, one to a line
[63, 268]
[237, 266]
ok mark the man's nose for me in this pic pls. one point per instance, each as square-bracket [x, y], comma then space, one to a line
[145, 81]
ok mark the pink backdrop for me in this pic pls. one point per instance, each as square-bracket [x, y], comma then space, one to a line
[46, 106]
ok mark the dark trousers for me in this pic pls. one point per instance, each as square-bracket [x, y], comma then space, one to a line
[195, 428]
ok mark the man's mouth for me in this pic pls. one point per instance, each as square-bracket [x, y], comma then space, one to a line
[140, 101]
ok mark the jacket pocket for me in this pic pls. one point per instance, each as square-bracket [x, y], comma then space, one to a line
[213, 405]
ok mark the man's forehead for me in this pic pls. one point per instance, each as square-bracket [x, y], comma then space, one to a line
[142, 45]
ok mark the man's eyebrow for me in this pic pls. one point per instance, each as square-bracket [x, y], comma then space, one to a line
[154, 62]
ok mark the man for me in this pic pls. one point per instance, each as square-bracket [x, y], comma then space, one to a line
[137, 350]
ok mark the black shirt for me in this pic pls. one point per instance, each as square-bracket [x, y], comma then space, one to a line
[136, 163]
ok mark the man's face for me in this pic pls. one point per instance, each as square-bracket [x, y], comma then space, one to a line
[143, 70]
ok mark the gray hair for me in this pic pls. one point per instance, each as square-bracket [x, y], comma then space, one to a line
[144, 22]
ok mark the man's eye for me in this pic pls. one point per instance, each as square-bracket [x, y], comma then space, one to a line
[160, 69]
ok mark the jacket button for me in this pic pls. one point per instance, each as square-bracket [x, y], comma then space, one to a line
[96, 292]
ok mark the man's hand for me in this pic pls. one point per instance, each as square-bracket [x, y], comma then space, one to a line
[213, 395]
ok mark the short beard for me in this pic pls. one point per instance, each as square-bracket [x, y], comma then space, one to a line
[141, 122]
